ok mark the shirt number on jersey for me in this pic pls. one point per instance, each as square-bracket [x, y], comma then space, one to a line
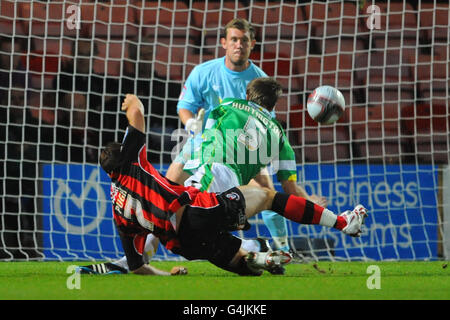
[134, 205]
[252, 134]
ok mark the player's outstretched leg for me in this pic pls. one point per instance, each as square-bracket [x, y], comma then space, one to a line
[302, 211]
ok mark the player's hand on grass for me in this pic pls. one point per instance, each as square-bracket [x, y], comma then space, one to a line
[178, 271]
[130, 101]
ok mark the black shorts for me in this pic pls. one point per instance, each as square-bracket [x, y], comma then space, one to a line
[204, 231]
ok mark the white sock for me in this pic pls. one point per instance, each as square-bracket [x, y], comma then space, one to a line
[250, 245]
[328, 218]
[122, 262]
[151, 246]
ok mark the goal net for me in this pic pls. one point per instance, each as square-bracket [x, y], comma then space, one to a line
[66, 65]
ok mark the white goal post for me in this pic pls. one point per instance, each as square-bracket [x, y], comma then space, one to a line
[65, 65]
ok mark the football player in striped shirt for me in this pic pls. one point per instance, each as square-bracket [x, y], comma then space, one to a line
[192, 223]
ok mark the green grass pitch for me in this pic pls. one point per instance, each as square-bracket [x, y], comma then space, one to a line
[312, 281]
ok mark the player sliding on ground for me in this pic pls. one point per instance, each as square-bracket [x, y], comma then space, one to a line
[229, 158]
[192, 223]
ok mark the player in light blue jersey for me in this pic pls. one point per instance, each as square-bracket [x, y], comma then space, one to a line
[211, 82]
[205, 88]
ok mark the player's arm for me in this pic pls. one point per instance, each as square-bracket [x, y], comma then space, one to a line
[291, 187]
[134, 112]
[191, 102]
[263, 179]
[185, 115]
[287, 175]
[135, 259]
[148, 270]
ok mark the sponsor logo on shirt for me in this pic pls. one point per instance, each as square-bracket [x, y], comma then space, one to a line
[119, 201]
[233, 196]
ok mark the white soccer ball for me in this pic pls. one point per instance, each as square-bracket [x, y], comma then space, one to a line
[326, 104]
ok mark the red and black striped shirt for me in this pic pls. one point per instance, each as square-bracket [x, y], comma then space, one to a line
[144, 201]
